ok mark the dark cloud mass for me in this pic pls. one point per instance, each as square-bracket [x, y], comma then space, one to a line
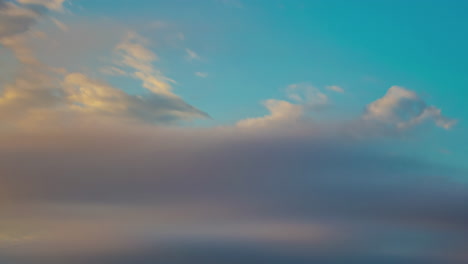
[208, 195]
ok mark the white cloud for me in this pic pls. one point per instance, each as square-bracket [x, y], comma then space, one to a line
[335, 88]
[404, 108]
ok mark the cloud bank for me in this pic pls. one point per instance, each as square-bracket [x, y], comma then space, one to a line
[104, 193]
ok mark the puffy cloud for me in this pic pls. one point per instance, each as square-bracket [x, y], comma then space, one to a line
[404, 108]
[281, 113]
[431, 113]
[307, 98]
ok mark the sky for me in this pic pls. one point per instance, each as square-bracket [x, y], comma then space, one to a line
[233, 131]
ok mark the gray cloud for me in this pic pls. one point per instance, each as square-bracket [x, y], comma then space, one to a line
[14, 19]
[150, 194]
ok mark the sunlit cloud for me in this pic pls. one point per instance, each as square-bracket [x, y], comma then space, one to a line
[404, 108]
[56, 5]
[281, 113]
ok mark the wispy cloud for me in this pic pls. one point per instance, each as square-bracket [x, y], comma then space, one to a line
[60, 24]
[41, 93]
[201, 74]
[56, 5]
[307, 95]
[114, 71]
[191, 55]
[335, 88]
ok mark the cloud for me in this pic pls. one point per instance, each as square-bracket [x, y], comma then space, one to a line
[95, 181]
[399, 109]
[281, 113]
[113, 71]
[133, 53]
[404, 109]
[307, 95]
[29, 95]
[191, 55]
[92, 96]
[18, 44]
[56, 5]
[148, 193]
[201, 74]
[40, 93]
[15, 19]
[60, 24]
[335, 88]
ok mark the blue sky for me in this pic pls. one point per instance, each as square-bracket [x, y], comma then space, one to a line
[235, 131]
[252, 51]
